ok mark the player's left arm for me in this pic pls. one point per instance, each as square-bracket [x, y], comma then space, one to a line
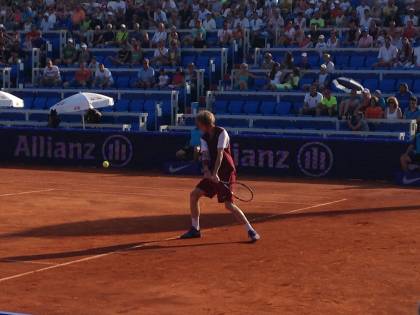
[217, 165]
[223, 143]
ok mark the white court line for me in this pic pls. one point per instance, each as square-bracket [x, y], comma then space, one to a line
[73, 262]
[27, 192]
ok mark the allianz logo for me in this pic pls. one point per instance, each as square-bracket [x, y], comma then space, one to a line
[116, 148]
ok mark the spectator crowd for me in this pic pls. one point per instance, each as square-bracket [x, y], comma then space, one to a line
[390, 26]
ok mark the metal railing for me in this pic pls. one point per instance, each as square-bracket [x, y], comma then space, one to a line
[36, 73]
[118, 93]
[322, 133]
[27, 113]
[380, 72]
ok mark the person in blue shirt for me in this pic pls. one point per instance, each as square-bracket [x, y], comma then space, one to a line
[410, 160]
[404, 95]
[191, 151]
[412, 112]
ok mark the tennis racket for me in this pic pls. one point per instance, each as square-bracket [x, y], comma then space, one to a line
[240, 191]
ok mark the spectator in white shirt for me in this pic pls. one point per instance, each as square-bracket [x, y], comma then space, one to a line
[161, 54]
[328, 62]
[225, 34]
[411, 17]
[160, 16]
[51, 76]
[103, 77]
[387, 54]
[209, 23]
[159, 35]
[312, 102]
[46, 24]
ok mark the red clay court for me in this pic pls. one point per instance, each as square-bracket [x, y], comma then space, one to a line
[82, 242]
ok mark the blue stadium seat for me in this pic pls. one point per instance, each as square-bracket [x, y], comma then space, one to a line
[267, 108]
[371, 84]
[260, 83]
[27, 101]
[251, 107]
[283, 108]
[235, 107]
[122, 105]
[416, 86]
[387, 85]
[136, 106]
[357, 61]
[342, 61]
[39, 102]
[220, 106]
[51, 101]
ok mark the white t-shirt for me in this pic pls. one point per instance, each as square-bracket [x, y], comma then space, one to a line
[313, 101]
[387, 54]
[106, 74]
[209, 25]
[52, 72]
[159, 36]
[222, 142]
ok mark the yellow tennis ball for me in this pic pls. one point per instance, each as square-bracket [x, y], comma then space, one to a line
[105, 164]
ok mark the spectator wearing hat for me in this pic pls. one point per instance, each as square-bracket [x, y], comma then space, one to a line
[121, 36]
[412, 112]
[304, 62]
[393, 111]
[324, 78]
[103, 77]
[84, 55]
[69, 53]
[411, 17]
[328, 62]
[321, 44]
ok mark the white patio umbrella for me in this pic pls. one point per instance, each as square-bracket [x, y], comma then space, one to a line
[348, 84]
[82, 102]
[9, 100]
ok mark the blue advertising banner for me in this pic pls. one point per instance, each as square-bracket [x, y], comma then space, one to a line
[267, 155]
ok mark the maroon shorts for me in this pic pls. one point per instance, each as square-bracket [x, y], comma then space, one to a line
[212, 189]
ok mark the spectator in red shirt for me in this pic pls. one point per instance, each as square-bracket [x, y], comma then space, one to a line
[82, 77]
[374, 110]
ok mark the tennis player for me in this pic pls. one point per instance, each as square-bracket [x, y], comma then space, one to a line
[218, 167]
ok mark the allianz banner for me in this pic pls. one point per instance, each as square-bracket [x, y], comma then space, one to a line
[268, 155]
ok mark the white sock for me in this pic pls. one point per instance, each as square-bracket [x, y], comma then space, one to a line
[196, 223]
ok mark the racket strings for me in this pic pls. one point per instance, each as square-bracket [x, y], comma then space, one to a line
[242, 192]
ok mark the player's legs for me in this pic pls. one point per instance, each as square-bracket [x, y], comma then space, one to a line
[195, 196]
[240, 216]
